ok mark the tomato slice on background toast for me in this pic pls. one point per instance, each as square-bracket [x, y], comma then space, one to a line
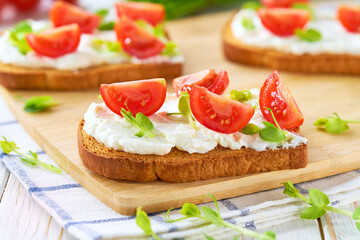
[137, 41]
[219, 113]
[55, 42]
[150, 12]
[24, 5]
[145, 96]
[62, 13]
[349, 16]
[275, 95]
[281, 3]
[283, 21]
[214, 82]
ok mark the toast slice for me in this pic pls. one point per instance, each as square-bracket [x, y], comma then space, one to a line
[235, 50]
[179, 166]
[17, 77]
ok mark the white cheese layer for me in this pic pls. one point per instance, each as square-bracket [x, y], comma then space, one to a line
[335, 38]
[174, 131]
[85, 56]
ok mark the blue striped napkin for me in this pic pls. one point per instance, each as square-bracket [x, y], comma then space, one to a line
[86, 217]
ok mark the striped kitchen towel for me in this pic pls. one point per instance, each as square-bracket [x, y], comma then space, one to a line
[86, 217]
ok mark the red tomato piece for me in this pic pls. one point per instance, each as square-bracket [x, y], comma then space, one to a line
[152, 13]
[62, 13]
[145, 96]
[349, 17]
[137, 41]
[219, 113]
[281, 3]
[214, 82]
[283, 21]
[275, 95]
[55, 42]
[24, 5]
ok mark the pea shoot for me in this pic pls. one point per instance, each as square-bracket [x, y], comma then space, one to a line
[334, 124]
[184, 108]
[40, 104]
[140, 121]
[143, 221]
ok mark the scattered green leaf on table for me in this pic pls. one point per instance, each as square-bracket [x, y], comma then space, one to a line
[39, 104]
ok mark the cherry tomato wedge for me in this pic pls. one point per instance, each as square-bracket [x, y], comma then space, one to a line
[62, 13]
[275, 95]
[137, 41]
[145, 96]
[281, 3]
[219, 113]
[25, 5]
[214, 82]
[152, 13]
[349, 17]
[283, 21]
[55, 42]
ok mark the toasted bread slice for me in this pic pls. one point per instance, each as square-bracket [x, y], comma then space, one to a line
[17, 77]
[235, 50]
[179, 166]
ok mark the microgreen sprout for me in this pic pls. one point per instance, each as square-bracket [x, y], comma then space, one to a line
[39, 104]
[190, 210]
[31, 157]
[104, 25]
[334, 124]
[143, 221]
[309, 35]
[184, 108]
[140, 121]
[248, 23]
[17, 36]
[240, 96]
[318, 204]
[251, 5]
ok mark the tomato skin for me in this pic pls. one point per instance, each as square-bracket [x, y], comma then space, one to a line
[283, 21]
[152, 13]
[55, 42]
[281, 3]
[25, 5]
[214, 82]
[219, 113]
[145, 96]
[349, 16]
[62, 13]
[137, 41]
[275, 95]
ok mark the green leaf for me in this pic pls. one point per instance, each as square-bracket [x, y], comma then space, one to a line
[6, 146]
[358, 225]
[320, 122]
[104, 45]
[318, 198]
[250, 129]
[272, 134]
[290, 189]
[143, 221]
[159, 32]
[17, 36]
[190, 210]
[356, 214]
[248, 23]
[142, 122]
[102, 12]
[336, 126]
[309, 35]
[170, 49]
[106, 26]
[212, 216]
[39, 104]
[312, 213]
[240, 96]
[207, 237]
[185, 109]
[252, 5]
[270, 234]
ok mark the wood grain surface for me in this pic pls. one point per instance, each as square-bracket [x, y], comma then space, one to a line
[199, 39]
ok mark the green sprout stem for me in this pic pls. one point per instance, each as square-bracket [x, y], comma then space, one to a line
[273, 116]
[247, 232]
[337, 210]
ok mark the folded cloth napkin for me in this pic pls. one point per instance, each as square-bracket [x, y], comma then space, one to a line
[86, 217]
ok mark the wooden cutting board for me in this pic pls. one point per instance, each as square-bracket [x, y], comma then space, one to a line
[200, 40]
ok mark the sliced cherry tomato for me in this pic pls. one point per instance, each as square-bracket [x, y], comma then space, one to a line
[275, 95]
[145, 96]
[219, 113]
[24, 5]
[349, 17]
[62, 13]
[281, 3]
[283, 21]
[216, 83]
[55, 42]
[153, 13]
[137, 41]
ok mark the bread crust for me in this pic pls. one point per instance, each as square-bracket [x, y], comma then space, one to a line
[17, 77]
[237, 51]
[179, 166]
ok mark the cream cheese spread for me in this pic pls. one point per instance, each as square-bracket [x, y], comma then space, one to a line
[174, 131]
[335, 38]
[85, 56]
